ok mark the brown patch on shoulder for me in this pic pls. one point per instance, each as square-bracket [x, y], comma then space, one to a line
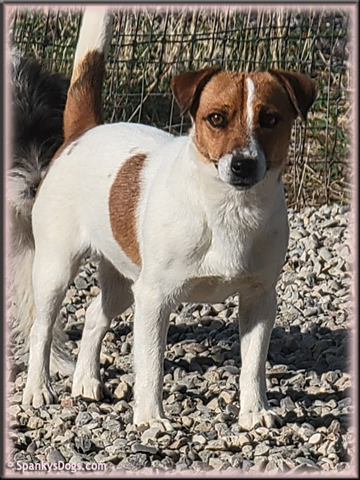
[123, 202]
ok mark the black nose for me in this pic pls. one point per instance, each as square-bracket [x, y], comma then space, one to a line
[243, 168]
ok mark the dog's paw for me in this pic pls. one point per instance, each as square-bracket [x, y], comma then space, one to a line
[88, 387]
[39, 396]
[162, 424]
[159, 422]
[248, 420]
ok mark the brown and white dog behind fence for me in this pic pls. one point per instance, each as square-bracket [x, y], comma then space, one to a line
[174, 219]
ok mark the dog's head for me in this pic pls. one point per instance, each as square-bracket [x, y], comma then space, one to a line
[242, 121]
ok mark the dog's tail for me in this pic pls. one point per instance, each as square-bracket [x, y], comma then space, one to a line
[83, 109]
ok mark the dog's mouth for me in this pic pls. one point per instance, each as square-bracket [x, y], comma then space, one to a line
[244, 184]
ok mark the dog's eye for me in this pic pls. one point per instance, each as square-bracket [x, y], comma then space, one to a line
[268, 120]
[217, 120]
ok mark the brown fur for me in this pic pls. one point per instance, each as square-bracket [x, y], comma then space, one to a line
[188, 86]
[226, 93]
[210, 91]
[83, 107]
[274, 99]
[123, 202]
[301, 90]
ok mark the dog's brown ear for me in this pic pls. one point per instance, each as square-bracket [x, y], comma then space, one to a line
[301, 89]
[187, 87]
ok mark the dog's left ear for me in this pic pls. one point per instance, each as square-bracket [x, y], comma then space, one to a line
[187, 87]
[301, 89]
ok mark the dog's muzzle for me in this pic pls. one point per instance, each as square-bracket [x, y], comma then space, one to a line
[243, 168]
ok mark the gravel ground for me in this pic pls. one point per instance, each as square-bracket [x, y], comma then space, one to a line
[309, 384]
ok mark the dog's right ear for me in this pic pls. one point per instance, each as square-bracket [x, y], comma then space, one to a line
[187, 87]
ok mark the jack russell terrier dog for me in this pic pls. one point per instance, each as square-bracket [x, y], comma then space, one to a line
[173, 219]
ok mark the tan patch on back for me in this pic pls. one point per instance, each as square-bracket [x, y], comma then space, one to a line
[123, 203]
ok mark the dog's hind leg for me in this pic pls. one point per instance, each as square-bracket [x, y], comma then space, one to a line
[257, 310]
[53, 270]
[115, 297]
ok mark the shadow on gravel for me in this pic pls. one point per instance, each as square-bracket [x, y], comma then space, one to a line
[318, 419]
[323, 350]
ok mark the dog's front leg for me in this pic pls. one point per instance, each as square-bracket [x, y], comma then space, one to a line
[257, 311]
[150, 330]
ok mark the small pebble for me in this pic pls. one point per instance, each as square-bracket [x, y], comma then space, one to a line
[54, 456]
[315, 439]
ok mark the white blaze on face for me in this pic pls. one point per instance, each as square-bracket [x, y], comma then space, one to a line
[249, 105]
[252, 149]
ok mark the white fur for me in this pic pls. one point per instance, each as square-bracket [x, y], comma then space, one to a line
[95, 32]
[249, 103]
[252, 151]
[200, 239]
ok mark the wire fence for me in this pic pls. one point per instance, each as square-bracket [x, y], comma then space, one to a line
[149, 46]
